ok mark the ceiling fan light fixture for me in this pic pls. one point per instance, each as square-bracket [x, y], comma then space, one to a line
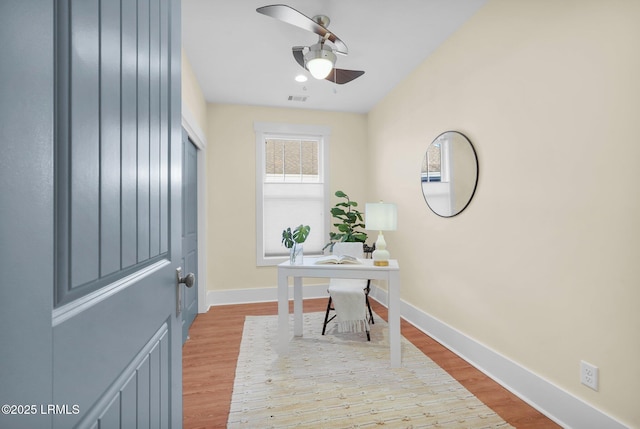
[319, 60]
[319, 67]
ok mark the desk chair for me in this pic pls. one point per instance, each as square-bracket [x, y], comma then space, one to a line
[345, 294]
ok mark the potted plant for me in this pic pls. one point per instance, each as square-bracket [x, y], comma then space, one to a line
[293, 240]
[350, 223]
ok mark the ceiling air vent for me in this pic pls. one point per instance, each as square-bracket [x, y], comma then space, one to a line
[301, 98]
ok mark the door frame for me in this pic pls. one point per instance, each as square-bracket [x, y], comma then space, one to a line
[199, 140]
[27, 209]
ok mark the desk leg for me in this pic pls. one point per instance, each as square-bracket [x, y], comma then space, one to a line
[283, 313]
[394, 319]
[297, 306]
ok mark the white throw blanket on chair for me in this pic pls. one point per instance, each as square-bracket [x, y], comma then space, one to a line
[350, 304]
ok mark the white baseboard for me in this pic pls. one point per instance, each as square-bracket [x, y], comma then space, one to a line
[247, 296]
[554, 402]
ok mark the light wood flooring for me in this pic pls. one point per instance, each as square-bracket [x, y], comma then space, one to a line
[211, 353]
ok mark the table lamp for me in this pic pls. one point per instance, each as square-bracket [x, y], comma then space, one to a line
[381, 217]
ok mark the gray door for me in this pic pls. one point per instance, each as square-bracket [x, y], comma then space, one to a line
[90, 218]
[189, 231]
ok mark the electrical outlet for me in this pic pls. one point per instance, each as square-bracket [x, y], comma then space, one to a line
[589, 375]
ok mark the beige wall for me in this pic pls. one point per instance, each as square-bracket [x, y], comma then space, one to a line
[192, 98]
[543, 266]
[231, 170]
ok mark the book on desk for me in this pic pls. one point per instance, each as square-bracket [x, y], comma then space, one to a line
[333, 259]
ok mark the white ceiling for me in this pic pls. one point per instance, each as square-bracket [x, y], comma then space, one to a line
[242, 57]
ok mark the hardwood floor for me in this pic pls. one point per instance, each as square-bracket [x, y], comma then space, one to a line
[210, 355]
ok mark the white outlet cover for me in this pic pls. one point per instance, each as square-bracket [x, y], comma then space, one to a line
[589, 375]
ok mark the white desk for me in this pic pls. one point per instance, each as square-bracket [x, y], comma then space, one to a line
[367, 270]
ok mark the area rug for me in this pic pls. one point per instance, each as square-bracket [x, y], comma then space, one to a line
[341, 380]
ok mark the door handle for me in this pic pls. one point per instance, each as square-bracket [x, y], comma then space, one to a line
[189, 280]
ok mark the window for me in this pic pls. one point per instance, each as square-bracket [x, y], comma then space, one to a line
[291, 187]
[436, 165]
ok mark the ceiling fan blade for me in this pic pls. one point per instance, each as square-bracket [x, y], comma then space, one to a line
[291, 16]
[341, 76]
[299, 55]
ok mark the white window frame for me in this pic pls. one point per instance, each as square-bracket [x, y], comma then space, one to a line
[267, 130]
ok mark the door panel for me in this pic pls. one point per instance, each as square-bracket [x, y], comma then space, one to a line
[84, 109]
[110, 166]
[106, 341]
[137, 367]
[90, 212]
[129, 131]
[189, 231]
[101, 239]
[116, 333]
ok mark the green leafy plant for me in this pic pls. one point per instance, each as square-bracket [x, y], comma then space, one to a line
[298, 235]
[349, 222]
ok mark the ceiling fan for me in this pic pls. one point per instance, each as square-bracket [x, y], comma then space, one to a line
[319, 59]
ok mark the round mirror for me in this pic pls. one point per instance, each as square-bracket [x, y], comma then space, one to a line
[449, 174]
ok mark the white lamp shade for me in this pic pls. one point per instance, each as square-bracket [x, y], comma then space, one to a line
[381, 216]
[319, 67]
